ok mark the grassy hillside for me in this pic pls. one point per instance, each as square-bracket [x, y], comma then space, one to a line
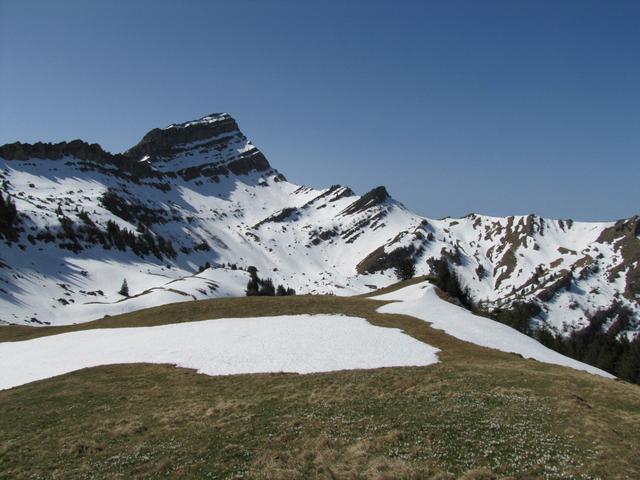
[477, 414]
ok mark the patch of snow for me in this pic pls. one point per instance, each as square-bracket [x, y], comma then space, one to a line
[422, 302]
[296, 344]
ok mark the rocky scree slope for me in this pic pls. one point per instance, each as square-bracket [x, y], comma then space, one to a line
[184, 213]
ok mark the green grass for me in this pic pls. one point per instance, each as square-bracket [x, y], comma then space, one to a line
[477, 411]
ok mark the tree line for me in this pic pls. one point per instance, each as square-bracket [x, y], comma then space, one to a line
[264, 287]
[603, 343]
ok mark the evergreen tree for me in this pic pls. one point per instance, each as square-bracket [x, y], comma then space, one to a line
[253, 288]
[124, 289]
[253, 271]
[406, 269]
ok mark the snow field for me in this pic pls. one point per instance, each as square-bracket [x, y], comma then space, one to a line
[422, 302]
[295, 344]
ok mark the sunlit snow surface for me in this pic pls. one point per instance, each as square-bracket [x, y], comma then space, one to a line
[421, 301]
[297, 344]
[317, 250]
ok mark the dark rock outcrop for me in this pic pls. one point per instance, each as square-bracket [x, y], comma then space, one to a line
[162, 142]
[562, 283]
[78, 149]
[209, 134]
[370, 199]
[283, 215]
[219, 129]
[57, 151]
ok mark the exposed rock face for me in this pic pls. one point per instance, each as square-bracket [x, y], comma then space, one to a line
[283, 215]
[215, 141]
[370, 199]
[563, 282]
[164, 142]
[623, 236]
[379, 260]
[93, 154]
[56, 151]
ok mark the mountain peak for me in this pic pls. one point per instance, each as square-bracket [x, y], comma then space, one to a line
[167, 141]
[210, 119]
[210, 146]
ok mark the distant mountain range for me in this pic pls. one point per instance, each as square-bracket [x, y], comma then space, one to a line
[185, 212]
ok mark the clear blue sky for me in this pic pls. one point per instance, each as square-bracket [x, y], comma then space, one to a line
[497, 107]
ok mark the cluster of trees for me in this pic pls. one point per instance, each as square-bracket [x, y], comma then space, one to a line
[204, 267]
[67, 235]
[601, 343]
[130, 211]
[231, 266]
[9, 219]
[264, 287]
[517, 316]
[447, 280]
[142, 243]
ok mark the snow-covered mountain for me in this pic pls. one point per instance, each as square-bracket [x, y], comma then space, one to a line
[182, 214]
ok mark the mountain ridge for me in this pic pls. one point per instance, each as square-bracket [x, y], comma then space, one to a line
[200, 192]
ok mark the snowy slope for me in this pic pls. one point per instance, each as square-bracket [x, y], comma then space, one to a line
[199, 194]
[297, 344]
[421, 301]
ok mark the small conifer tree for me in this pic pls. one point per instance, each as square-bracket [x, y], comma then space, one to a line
[253, 288]
[124, 289]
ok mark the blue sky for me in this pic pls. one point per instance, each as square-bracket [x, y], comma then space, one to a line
[456, 106]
